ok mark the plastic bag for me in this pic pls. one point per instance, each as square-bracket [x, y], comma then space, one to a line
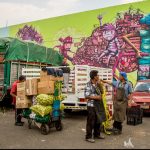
[41, 110]
[44, 99]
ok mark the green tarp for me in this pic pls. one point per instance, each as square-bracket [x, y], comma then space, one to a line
[17, 50]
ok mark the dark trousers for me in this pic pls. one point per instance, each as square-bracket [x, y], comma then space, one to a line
[117, 125]
[18, 116]
[92, 124]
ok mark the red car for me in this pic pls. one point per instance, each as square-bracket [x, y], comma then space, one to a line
[141, 95]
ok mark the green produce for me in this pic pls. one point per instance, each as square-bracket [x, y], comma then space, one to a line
[41, 110]
[44, 99]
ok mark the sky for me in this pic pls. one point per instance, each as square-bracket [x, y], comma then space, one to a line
[20, 11]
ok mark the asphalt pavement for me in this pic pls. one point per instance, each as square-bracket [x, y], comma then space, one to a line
[71, 137]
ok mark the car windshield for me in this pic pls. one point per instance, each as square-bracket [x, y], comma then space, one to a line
[142, 87]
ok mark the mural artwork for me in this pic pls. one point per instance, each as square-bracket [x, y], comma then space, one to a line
[123, 44]
[30, 33]
[114, 45]
[65, 47]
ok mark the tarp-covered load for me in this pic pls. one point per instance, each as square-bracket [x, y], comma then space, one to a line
[17, 50]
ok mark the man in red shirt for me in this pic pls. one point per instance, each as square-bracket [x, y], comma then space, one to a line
[13, 93]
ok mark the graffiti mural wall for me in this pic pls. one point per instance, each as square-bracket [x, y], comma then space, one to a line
[116, 37]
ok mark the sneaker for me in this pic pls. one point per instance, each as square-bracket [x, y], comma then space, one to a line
[91, 140]
[99, 137]
[19, 124]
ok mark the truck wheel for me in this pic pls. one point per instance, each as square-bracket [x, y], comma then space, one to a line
[45, 129]
[67, 110]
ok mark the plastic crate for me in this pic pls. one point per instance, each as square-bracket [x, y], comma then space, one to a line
[134, 115]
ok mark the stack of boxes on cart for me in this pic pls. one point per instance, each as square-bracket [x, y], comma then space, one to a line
[42, 95]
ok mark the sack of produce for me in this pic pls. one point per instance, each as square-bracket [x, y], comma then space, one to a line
[44, 119]
[59, 73]
[44, 99]
[51, 71]
[41, 110]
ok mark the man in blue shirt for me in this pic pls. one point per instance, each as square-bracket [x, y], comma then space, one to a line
[123, 91]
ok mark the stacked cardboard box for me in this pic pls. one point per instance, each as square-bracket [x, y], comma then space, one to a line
[31, 86]
[45, 77]
[22, 101]
[46, 84]
[46, 87]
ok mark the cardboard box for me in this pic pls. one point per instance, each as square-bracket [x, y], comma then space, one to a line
[46, 87]
[48, 78]
[21, 86]
[23, 102]
[31, 86]
[21, 93]
[43, 73]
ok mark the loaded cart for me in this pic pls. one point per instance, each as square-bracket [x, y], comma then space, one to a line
[46, 110]
[47, 113]
[49, 121]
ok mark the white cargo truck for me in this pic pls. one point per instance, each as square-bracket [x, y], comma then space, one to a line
[79, 76]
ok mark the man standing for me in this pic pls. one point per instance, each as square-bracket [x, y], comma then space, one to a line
[66, 72]
[13, 93]
[123, 91]
[95, 107]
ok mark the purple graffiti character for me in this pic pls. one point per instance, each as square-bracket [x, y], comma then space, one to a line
[65, 48]
[109, 34]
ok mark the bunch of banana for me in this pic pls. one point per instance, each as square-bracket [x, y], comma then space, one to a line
[107, 123]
